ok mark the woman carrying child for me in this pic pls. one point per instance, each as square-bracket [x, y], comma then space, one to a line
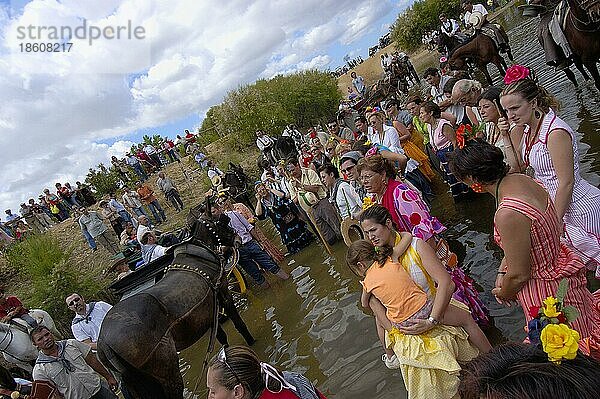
[410, 294]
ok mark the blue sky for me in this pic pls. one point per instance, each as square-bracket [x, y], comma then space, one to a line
[66, 112]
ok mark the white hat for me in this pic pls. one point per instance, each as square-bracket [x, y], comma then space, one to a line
[476, 19]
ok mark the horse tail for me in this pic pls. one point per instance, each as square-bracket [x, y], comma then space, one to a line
[138, 385]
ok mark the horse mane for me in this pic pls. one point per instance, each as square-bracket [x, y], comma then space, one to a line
[453, 50]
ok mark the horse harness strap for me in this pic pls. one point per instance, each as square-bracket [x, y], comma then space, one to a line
[177, 266]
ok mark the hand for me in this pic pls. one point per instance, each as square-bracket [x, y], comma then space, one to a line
[501, 300]
[503, 126]
[499, 278]
[114, 384]
[419, 327]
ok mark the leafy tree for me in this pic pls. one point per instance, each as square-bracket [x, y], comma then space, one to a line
[422, 16]
[103, 180]
[303, 98]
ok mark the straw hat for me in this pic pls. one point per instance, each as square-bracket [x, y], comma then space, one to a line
[351, 231]
[476, 19]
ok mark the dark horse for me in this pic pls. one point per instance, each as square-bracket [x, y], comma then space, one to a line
[285, 148]
[236, 181]
[582, 30]
[141, 335]
[447, 44]
[481, 51]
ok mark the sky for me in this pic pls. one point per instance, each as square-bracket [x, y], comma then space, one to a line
[64, 112]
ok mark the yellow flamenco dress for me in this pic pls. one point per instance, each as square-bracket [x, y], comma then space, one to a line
[430, 362]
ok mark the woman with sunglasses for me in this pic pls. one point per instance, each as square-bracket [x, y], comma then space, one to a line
[236, 372]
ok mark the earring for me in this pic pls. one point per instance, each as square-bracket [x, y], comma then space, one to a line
[477, 187]
[537, 114]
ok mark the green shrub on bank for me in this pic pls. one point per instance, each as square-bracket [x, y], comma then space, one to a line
[42, 262]
[421, 17]
[303, 98]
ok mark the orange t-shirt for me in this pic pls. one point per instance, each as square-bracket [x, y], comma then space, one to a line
[396, 290]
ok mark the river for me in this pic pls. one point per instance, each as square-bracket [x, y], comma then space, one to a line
[313, 322]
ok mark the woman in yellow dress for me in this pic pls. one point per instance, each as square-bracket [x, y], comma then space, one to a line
[412, 142]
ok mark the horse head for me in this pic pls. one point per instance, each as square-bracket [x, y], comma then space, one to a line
[285, 148]
[208, 228]
[17, 347]
[443, 43]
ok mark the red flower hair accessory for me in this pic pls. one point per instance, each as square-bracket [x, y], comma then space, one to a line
[516, 73]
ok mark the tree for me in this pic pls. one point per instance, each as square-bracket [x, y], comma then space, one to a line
[303, 98]
[422, 16]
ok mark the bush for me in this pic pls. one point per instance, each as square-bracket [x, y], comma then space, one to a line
[303, 98]
[421, 17]
[41, 261]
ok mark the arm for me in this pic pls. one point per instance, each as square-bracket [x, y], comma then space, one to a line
[394, 156]
[449, 117]
[258, 209]
[94, 363]
[512, 143]
[560, 147]
[445, 288]
[403, 132]
[515, 230]
[402, 246]
[450, 134]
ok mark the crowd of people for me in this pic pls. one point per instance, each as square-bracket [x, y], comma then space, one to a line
[377, 170]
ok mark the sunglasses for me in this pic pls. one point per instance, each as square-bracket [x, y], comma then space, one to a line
[348, 169]
[222, 357]
[74, 301]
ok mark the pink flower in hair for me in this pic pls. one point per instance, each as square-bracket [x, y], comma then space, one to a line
[516, 73]
[372, 151]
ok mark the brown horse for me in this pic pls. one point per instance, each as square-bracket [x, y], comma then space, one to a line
[141, 335]
[480, 51]
[582, 30]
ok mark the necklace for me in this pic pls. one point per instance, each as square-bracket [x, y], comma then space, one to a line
[530, 141]
[378, 197]
[498, 189]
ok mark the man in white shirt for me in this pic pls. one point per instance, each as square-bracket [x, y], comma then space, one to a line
[88, 318]
[437, 82]
[492, 30]
[150, 249]
[265, 144]
[449, 26]
[469, 8]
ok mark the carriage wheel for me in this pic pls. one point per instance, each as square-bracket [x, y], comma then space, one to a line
[236, 283]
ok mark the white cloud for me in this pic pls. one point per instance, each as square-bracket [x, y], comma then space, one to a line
[59, 108]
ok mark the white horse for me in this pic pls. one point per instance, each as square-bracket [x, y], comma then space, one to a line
[15, 344]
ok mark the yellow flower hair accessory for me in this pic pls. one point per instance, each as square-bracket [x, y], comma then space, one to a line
[549, 326]
[560, 342]
[367, 203]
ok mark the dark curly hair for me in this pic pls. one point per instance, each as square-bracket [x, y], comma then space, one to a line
[523, 371]
[480, 160]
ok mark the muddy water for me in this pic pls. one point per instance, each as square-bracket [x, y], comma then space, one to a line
[313, 322]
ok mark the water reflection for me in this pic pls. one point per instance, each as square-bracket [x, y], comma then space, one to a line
[313, 323]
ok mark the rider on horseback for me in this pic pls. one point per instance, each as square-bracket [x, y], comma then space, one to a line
[12, 308]
[476, 17]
